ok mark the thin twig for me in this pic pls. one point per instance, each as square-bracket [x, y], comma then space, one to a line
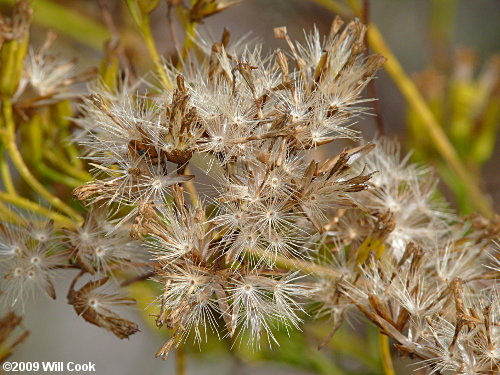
[437, 135]
[137, 279]
[416, 101]
[7, 176]
[115, 35]
[385, 354]
[371, 88]
[180, 363]
[19, 201]
[297, 264]
[153, 52]
[9, 139]
[171, 29]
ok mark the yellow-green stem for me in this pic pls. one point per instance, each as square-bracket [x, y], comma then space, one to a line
[6, 176]
[35, 138]
[6, 214]
[58, 159]
[415, 100]
[189, 34]
[58, 177]
[191, 189]
[189, 38]
[151, 45]
[18, 201]
[71, 153]
[333, 6]
[9, 139]
[439, 138]
[296, 264]
[385, 354]
[180, 363]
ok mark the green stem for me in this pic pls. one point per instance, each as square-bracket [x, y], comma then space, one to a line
[37, 208]
[151, 45]
[189, 39]
[6, 214]
[418, 104]
[189, 34]
[297, 264]
[6, 176]
[437, 135]
[58, 177]
[180, 363]
[9, 138]
[385, 354]
[56, 158]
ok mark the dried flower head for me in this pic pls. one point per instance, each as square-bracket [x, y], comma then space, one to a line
[366, 222]
[100, 247]
[29, 254]
[253, 118]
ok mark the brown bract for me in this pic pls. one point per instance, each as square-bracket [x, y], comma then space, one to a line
[95, 308]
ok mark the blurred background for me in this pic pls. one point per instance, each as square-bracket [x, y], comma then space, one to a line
[448, 49]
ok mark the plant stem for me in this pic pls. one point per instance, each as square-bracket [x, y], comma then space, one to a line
[151, 45]
[297, 264]
[66, 166]
[37, 208]
[57, 176]
[180, 363]
[333, 6]
[189, 38]
[8, 215]
[61, 17]
[9, 138]
[191, 189]
[439, 138]
[189, 34]
[6, 176]
[415, 100]
[385, 354]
